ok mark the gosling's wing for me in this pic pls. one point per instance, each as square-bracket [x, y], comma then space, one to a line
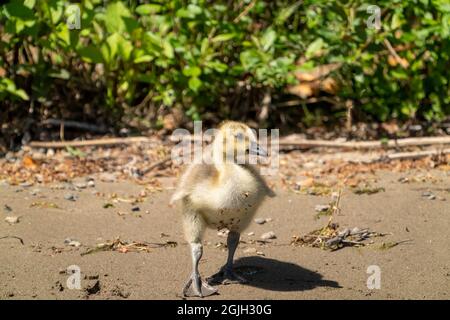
[262, 182]
[193, 176]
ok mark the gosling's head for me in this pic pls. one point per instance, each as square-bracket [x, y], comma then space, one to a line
[236, 142]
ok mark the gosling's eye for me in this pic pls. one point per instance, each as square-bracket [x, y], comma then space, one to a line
[240, 136]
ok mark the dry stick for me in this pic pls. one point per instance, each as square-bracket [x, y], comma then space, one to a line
[158, 164]
[413, 155]
[13, 237]
[245, 12]
[404, 63]
[293, 141]
[292, 103]
[87, 143]
[349, 120]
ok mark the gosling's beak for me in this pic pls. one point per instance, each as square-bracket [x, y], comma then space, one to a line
[256, 149]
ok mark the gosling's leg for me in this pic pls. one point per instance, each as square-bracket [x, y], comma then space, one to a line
[193, 227]
[195, 287]
[226, 275]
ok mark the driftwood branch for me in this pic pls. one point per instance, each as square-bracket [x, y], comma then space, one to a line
[289, 142]
[88, 143]
[293, 141]
[414, 155]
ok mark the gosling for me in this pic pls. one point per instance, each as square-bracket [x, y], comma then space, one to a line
[224, 194]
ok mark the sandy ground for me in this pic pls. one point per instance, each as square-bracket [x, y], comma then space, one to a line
[419, 269]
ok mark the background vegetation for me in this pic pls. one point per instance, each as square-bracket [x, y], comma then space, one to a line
[145, 64]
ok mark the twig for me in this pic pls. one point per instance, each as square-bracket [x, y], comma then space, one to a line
[13, 237]
[413, 155]
[144, 101]
[293, 141]
[292, 103]
[403, 62]
[88, 143]
[245, 11]
[349, 118]
[265, 106]
[158, 164]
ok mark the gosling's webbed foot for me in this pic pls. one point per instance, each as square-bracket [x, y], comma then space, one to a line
[226, 276]
[195, 287]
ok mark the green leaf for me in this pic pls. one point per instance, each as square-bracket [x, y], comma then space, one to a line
[189, 71]
[249, 59]
[113, 46]
[144, 58]
[125, 48]
[268, 39]
[194, 84]
[190, 12]
[17, 9]
[145, 9]
[60, 74]
[91, 53]
[217, 66]
[10, 86]
[168, 49]
[56, 10]
[223, 37]
[114, 17]
[314, 47]
[285, 13]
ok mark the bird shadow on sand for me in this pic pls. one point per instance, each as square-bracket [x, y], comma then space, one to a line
[271, 274]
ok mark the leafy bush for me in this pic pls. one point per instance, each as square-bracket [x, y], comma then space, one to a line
[138, 59]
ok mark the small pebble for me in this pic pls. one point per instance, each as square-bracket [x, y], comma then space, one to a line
[428, 195]
[7, 208]
[50, 153]
[344, 233]
[80, 185]
[74, 243]
[35, 192]
[91, 183]
[70, 197]
[250, 234]
[135, 209]
[260, 220]
[322, 207]
[12, 220]
[26, 184]
[268, 235]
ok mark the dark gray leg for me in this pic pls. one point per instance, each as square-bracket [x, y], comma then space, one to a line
[226, 275]
[195, 287]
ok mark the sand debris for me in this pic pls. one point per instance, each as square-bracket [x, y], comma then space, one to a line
[331, 238]
[124, 246]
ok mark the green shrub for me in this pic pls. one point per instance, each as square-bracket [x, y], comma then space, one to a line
[199, 56]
